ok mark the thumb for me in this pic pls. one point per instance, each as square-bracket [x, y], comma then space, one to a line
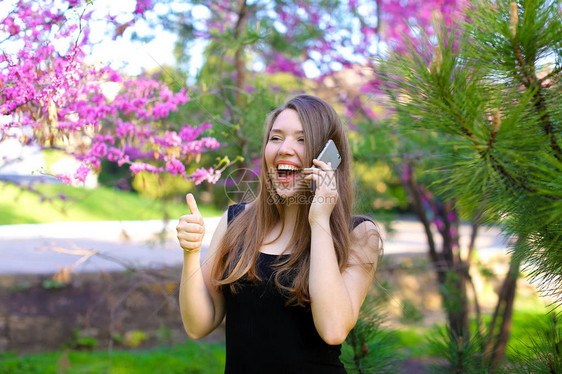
[190, 199]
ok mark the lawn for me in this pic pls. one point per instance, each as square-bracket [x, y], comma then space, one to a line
[66, 203]
[529, 312]
[202, 357]
[191, 357]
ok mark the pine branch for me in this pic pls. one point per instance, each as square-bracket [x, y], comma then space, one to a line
[484, 152]
[442, 95]
[532, 82]
[356, 355]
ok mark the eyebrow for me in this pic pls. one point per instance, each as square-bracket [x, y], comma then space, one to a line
[279, 131]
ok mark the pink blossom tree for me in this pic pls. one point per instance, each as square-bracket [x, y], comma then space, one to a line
[51, 98]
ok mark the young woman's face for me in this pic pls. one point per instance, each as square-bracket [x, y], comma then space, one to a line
[285, 153]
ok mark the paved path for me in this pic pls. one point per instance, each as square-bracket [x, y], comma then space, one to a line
[110, 246]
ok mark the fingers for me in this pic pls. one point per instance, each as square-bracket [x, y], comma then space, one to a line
[322, 177]
[312, 172]
[191, 231]
[311, 175]
[192, 204]
[191, 227]
[190, 246]
[190, 239]
[322, 165]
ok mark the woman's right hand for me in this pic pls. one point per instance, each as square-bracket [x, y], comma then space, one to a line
[191, 227]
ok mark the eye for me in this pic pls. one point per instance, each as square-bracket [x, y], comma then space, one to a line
[301, 140]
[273, 138]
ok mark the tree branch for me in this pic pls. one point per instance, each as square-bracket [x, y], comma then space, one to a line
[410, 185]
[229, 106]
[496, 165]
[531, 81]
[239, 54]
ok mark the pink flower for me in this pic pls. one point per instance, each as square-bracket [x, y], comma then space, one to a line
[137, 167]
[65, 178]
[175, 167]
[283, 64]
[82, 173]
[11, 26]
[202, 174]
[142, 6]
[53, 90]
[114, 154]
[188, 133]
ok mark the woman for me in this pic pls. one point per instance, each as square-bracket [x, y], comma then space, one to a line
[291, 269]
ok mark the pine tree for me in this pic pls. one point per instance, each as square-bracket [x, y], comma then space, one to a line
[490, 88]
[543, 353]
[369, 348]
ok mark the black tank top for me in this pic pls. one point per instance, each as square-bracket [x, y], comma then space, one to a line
[264, 336]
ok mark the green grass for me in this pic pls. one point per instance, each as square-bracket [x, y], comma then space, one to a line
[528, 313]
[191, 357]
[201, 357]
[18, 206]
[413, 341]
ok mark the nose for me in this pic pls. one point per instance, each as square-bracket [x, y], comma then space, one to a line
[287, 148]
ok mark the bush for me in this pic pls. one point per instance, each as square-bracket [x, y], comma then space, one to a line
[165, 186]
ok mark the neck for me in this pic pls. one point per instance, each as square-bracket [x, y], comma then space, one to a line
[290, 215]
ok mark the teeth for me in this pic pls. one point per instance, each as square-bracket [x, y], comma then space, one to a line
[286, 167]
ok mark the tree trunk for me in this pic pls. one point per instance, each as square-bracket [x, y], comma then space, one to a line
[453, 285]
[452, 272]
[499, 335]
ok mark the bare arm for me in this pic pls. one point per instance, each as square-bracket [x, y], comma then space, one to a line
[336, 298]
[201, 306]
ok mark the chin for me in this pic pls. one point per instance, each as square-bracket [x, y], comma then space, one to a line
[285, 192]
[290, 193]
[291, 197]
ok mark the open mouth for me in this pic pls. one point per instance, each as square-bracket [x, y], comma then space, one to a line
[287, 173]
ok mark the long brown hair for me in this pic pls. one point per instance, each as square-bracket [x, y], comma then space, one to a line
[238, 251]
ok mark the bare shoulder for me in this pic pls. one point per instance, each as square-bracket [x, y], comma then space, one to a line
[223, 224]
[366, 243]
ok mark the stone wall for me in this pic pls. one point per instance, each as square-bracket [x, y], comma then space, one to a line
[38, 314]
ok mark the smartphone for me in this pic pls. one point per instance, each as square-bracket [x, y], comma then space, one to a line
[329, 154]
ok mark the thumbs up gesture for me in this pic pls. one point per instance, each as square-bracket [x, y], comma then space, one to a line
[191, 228]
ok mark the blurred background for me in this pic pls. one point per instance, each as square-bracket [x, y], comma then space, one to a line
[111, 112]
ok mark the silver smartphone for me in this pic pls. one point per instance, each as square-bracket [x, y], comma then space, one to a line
[330, 154]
